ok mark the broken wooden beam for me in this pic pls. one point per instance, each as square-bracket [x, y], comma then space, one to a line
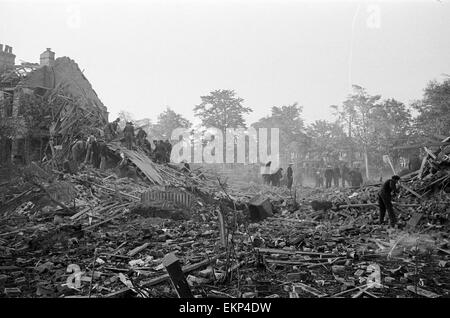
[137, 249]
[411, 191]
[300, 286]
[157, 280]
[277, 251]
[173, 267]
[422, 292]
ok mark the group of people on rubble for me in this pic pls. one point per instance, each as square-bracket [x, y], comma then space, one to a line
[276, 178]
[93, 150]
[332, 176]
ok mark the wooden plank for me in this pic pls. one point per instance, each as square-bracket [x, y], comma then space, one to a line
[411, 191]
[173, 267]
[422, 166]
[297, 262]
[414, 220]
[141, 161]
[137, 249]
[277, 251]
[308, 289]
[422, 292]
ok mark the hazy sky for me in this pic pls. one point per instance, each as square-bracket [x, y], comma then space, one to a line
[143, 56]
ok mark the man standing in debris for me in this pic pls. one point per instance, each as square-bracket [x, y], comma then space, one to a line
[319, 177]
[128, 133]
[159, 151]
[276, 177]
[336, 175]
[140, 137]
[388, 189]
[111, 130]
[328, 176]
[90, 149]
[168, 150]
[102, 150]
[78, 150]
[345, 171]
[266, 173]
[356, 177]
[290, 176]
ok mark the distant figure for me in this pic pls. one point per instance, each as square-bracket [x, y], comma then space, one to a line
[319, 178]
[103, 153]
[128, 133]
[95, 155]
[266, 174]
[186, 168]
[385, 199]
[91, 143]
[124, 169]
[328, 177]
[111, 130]
[147, 147]
[345, 174]
[299, 179]
[356, 177]
[78, 149]
[276, 177]
[168, 150]
[290, 176]
[160, 151]
[141, 137]
[336, 176]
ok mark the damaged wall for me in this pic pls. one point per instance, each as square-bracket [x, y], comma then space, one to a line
[66, 73]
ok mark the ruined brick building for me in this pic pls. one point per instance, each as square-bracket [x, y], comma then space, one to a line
[61, 77]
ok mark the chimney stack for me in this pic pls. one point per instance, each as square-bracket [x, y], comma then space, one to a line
[7, 58]
[47, 58]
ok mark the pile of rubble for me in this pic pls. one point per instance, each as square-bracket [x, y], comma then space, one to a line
[93, 234]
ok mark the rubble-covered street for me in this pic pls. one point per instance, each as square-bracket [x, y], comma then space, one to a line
[103, 242]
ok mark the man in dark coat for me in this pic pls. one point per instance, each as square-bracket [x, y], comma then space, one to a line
[160, 151]
[141, 137]
[111, 130]
[168, 150]
[266, 173]
[78, 149]
[388, 189]
[290, 176]
[345, 174]
[276, 177]
[128, 133]
[336, 176]
[91, 145]
[328, 177]
[356, 177]
[103, 153]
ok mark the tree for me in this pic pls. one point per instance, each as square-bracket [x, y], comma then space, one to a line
[327, 139]
[167, 122]
[375, 126]
[390, 127]
[288, 120]
[222, 109]
[434, 109]
[355, 111]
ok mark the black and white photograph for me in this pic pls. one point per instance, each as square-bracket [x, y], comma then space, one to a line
[225, 156]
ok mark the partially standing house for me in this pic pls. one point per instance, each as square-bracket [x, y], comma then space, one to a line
[56, 87]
